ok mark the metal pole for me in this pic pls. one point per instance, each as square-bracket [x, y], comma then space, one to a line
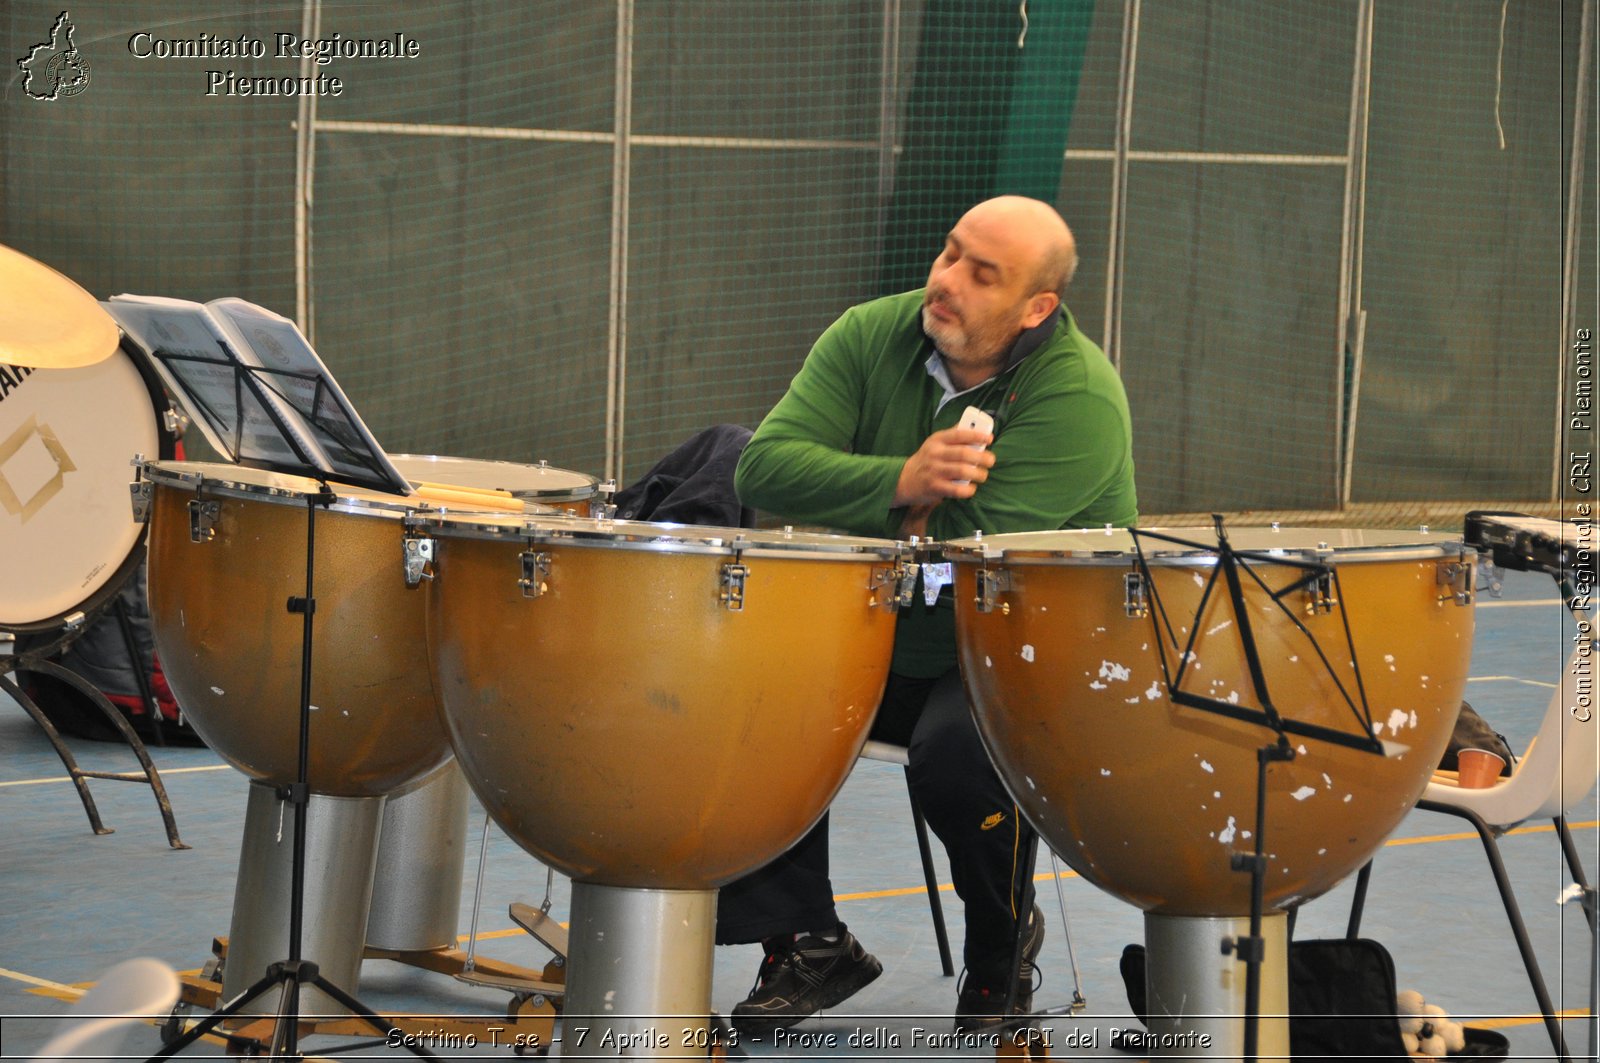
[621, 165]
[305, 145]
[1347, 237]
[1569, 286]
[888, 115]
[1357, 218]
[1117, 229]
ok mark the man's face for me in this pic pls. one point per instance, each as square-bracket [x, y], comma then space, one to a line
[979, 291]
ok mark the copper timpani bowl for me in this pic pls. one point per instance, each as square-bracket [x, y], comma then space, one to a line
[232, 650]
[653, 705]
[1149, 799]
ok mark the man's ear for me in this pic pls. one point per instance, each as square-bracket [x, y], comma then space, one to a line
[1041, 306]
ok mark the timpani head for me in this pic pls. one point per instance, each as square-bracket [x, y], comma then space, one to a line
[1149, 799]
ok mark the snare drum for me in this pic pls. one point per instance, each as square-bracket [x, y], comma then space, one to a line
[541, 484]
[67, 437]
[616, 690]
[1060, 637]
[227, 551]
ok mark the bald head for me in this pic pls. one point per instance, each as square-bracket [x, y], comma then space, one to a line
[1038, 237]
[1003, 270]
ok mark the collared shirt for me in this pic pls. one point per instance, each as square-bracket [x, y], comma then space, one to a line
[1029, 341]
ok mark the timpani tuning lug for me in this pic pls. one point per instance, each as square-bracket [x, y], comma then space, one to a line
[895, 587]
[730, 590]
[1319, 594]
[203, 515]
[1456, 578]
[991, 583]
[1135, 596]
[418, 555]
[140, 494]
[535, 573]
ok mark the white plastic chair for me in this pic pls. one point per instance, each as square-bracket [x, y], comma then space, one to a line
[101, 1020]
[1554, 774]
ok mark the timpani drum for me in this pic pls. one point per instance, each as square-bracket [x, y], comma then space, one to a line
[1061, 637]
[542, 484]
[618, 692]
[227, 552]
[67, 437]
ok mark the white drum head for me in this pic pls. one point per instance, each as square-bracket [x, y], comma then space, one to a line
[67, 438]
[535, 483]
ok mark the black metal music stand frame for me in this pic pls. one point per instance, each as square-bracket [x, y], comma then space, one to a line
[1315, 576]
[293, 972]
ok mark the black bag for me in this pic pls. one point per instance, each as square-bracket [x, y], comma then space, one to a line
[1341, 1003]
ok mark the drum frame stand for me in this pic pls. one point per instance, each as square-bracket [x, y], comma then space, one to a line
[37, 660]
[1251, 949]
[295, 971]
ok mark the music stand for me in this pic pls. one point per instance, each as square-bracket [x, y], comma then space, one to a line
[1317, 576]
[293, 419]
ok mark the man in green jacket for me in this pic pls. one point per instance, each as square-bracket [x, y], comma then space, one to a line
[868, 440]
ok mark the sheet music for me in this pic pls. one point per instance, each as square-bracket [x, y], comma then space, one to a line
[286, 411]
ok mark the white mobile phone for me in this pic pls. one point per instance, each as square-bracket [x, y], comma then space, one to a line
[976, 419]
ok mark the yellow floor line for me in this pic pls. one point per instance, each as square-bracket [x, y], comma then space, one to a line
[946, 887]
[1510, 679]
[159, 771]
[1518, 605]
[1523, 1020]
[43, 986]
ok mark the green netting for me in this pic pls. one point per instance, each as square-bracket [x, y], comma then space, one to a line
[470, 209]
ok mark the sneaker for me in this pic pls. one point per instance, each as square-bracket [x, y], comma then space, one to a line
[801, 978]
[980, 1002]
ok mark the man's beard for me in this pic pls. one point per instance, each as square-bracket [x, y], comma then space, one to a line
[976, 347]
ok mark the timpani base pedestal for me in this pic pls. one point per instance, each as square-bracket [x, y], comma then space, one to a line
[1195, 992]
[643, 989]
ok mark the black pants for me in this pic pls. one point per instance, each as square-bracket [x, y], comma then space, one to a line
[966, 805]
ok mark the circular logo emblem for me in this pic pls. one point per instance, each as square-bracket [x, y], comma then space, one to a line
[67, 73]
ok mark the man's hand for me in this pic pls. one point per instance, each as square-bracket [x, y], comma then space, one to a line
[947, 465]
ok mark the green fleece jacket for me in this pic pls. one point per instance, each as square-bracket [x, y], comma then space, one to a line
[831, 450]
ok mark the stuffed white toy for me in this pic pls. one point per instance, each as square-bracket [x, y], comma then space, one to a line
[1427, 1032]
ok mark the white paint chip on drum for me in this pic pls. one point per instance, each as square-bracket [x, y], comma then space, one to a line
[1303, 793]
[1108, 670]
[1300, 749]
[1206, 767]
[1322, 852]
[1133, 700]
[1097, 685]
[1198, 582]
[218, 691]
[1228, 832]
[1397, 720]
[987, 662]
[1027, 652]
[1105, 771]
[1327, 781]
[1154, 692]
[1220, 627]
[1348, 798]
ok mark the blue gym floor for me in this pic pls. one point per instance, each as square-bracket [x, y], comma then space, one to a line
[75, 903]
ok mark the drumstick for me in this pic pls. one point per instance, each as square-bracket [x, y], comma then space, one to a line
[481, 497]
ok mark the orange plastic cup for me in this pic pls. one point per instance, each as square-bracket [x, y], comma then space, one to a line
[1478, 768]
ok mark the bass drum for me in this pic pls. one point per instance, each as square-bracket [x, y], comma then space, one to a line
[67, 441]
